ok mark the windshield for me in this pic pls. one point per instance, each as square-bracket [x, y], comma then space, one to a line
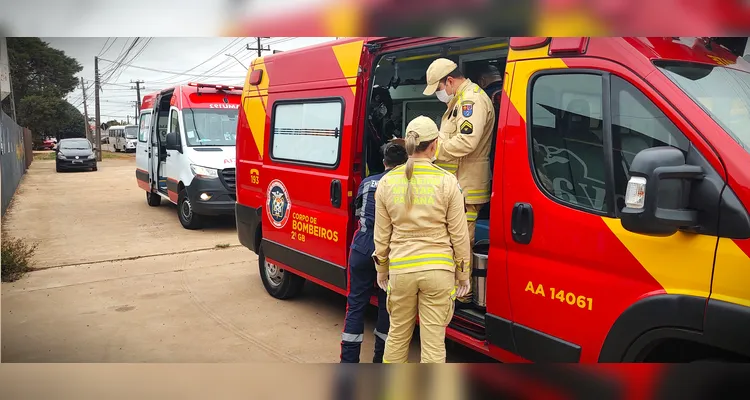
[131, 132]
[82, 144]
[210, 127]
[723, 92]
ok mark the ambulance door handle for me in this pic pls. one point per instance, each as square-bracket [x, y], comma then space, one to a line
[522, 223]
[336, 193]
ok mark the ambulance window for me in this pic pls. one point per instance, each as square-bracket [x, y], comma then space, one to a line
[307, 132]
[144, 126]
[637, 124]
[567, 145]
[174, 122]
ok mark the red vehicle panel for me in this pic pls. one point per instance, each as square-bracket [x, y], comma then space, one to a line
[583, 287]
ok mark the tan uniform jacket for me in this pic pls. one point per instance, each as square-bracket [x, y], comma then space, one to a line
[465, 139]
[434, 234]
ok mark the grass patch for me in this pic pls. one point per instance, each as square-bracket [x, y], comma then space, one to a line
[222, 246]
[16, 258]
[45, 156]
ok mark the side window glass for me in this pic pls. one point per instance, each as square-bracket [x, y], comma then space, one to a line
[567, 139]
[637, 124]
[307, 132]
[174, 122]
[143, 127]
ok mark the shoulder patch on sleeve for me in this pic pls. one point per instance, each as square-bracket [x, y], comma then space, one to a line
[467, 128]
[467, 108]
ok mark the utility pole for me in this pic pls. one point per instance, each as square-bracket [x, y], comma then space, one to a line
[259, 48]
[85, 112]
[138, 99]
[97, 88]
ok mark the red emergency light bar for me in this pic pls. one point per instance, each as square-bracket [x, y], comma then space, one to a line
[213, 86]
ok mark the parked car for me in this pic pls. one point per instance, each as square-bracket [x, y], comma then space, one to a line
[75, 154]
[49, 144]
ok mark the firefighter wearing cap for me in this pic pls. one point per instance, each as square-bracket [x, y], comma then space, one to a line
[421, 246]
[465, 136]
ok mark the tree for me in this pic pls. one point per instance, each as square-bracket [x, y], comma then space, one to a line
[48, 116]
[37, 69]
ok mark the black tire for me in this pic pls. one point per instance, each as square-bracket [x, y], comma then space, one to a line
[188, 218]
[95, 168]
[285, 286]
[153, 199]
[57, 168]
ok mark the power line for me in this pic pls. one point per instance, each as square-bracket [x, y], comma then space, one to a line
[120, 62]
[204, 62]
[155, 69]
[105, 45]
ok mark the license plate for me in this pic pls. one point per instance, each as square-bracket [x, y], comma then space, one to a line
[77, 161]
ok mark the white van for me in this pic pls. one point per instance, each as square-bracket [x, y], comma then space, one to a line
[123, 138]
[188, 156]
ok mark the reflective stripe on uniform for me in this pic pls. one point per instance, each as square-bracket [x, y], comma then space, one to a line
[453, 293]
[381, 335]
[471, 216]
[426, 170]
[352, 337]
[480, 194]
[424, 259]
[452, 168]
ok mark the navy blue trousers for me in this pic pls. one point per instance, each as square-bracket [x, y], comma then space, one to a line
[362, 276]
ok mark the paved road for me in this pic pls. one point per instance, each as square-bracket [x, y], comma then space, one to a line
[124, 282]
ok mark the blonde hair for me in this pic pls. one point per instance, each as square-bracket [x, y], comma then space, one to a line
[412, 145]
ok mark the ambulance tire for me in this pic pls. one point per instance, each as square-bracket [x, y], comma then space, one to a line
[289, 286]
[188, 218]
[153, 199]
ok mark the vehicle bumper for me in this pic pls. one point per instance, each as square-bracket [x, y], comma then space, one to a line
[69, 164]
[248, 225]
[221, 201]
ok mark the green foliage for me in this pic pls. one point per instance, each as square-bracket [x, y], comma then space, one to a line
[46, 115]
[16, 258]
[41, 77]
[114, 122]
[37, 69]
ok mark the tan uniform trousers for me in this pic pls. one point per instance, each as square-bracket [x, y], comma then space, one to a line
[428, 294]
[472, 210]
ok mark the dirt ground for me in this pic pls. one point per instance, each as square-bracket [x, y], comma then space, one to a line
[120, 281]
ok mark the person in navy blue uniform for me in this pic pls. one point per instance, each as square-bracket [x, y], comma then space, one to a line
[362, 272]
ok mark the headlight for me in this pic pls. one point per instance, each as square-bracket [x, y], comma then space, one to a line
[204, 172]
[61, 156]
[91, 156]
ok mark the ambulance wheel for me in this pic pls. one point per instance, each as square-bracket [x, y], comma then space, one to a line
[153, 199]
[280, 284]
[188, 218]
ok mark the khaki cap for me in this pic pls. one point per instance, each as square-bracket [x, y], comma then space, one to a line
[438, 70]
[424, 127]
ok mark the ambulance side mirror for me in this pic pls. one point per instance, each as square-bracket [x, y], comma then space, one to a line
[658, 192]
[173, 142]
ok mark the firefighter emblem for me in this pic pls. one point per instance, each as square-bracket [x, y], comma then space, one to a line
[278, 205]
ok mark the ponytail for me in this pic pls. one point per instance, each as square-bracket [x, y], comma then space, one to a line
[411, 146]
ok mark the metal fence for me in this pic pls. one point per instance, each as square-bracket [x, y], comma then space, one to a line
[15, 147]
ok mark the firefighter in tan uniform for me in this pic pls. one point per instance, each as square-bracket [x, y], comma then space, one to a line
[465, 136]
[421, 246]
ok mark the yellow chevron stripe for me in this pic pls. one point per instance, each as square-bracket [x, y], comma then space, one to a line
[348, 55]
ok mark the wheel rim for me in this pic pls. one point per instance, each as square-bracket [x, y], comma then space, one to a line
[186, 210]
[274, 274]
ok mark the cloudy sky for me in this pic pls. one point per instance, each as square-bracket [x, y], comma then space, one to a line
[160, 63]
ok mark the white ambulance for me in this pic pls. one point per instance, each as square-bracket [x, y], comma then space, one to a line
[188, 156]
